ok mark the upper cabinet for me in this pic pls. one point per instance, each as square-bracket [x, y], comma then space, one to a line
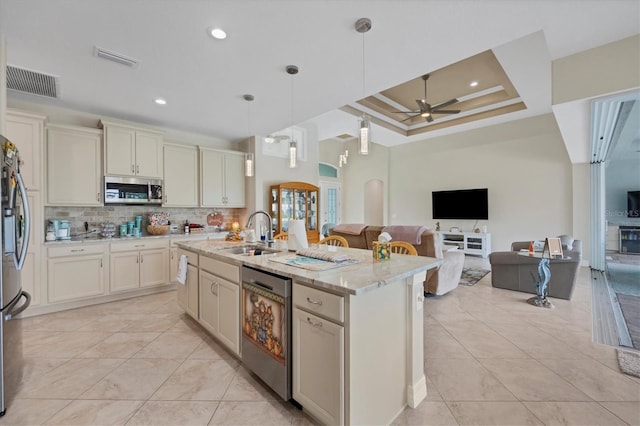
[131, 151]
[27, 132]
[221, 178]
[74, 172]
[180, 176]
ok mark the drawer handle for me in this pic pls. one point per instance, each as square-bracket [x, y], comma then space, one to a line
[316, 324]
[315, 302]
[139, 245]
[76, 250]
[214, 284]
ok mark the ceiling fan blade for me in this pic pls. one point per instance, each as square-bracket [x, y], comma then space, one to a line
[406, 112]
[445, 104]
[429, 118]
[446, 111]
[422, 105]
[408, 118]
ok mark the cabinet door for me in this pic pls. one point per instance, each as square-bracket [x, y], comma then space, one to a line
[125, 271]
[120, 151]
[149, 154]
[173, 265]
[74, 171]
[75, 277]
[318, 366]
[192, 291]
[153, 267]
[27, 133]
[234, 180]
[180, 176]
[229, 314]
[31, 271]
[209, 287]
[211, 178]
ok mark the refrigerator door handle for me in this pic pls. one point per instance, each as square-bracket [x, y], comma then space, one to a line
[19, 261]
[10, 309]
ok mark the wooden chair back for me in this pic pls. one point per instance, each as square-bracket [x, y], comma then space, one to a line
[281, 236]
[403, 247]
[334, 240]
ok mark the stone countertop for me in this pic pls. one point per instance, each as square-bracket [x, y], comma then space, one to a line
[97, 238]
[351, 279]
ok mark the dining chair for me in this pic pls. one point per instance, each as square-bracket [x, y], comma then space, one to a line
[403, 247]
[334, 240]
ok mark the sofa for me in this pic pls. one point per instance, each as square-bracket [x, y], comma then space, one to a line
[438, 281]
[512, 271]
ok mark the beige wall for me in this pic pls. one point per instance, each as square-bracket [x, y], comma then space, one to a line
[606, 69]
[355, 175]
[523, 164]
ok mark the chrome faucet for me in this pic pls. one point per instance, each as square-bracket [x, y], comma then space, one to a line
[270, 229]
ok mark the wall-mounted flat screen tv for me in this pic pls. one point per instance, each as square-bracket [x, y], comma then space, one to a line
[633, 204]
[461, 204]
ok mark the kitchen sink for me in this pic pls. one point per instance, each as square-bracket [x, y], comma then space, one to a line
[253, 250]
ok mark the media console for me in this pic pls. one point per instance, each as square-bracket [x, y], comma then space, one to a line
[474, 243]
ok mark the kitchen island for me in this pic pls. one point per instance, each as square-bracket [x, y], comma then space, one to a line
[357, 333]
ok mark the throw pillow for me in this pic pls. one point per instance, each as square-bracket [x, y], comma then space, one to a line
[566, 241]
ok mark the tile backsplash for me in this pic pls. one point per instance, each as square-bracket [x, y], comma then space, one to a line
[96, 216]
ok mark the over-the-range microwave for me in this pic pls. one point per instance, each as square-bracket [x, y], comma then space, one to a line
[126, 190]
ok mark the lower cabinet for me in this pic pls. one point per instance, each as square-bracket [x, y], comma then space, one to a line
[318, 354]
[220, 301]
[138, 264]
[188, 292]
[75, 272]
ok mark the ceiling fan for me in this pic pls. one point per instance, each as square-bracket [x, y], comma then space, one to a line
[426, 110]
[276, 138]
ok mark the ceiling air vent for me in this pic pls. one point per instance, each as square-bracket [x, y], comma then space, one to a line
[115, 57]
[36, 83]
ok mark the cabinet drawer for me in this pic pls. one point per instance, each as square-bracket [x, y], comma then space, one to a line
[76, 250]
[326, 304]
[193, 257]
[221, 269]
[138, 245]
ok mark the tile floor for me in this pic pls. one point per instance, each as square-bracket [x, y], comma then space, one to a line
[490, 359]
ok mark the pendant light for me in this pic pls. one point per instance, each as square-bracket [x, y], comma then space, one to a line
[248, 157]
[362, 26]
[293, 146]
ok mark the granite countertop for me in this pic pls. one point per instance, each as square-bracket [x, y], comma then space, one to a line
[97, 238]
[351, 279]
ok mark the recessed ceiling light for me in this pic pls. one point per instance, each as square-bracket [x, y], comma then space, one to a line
[473, 84]
[160, 101]
[217, 33]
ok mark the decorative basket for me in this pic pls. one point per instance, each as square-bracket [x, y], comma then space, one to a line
[157, 229]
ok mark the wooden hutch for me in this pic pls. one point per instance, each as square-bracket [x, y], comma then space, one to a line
[295, 200]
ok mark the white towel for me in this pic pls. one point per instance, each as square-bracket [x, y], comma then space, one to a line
[182, 269]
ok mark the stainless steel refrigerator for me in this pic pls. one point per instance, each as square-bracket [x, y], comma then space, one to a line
[14, 233]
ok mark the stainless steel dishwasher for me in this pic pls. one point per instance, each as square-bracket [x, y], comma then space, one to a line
[266, 328]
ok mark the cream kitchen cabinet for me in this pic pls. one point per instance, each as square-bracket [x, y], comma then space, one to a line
[318, 353]
[138, 264]
[219, 302]
[180, 176]
[221, 178]
[76, 271]
[74, 166]
[27, 132]
[130, 151]
[188, 293]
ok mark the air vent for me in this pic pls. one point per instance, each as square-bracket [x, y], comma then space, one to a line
[115, 57]
[36, 83]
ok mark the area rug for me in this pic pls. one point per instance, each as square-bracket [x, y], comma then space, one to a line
[629, 362]
[470, 276]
